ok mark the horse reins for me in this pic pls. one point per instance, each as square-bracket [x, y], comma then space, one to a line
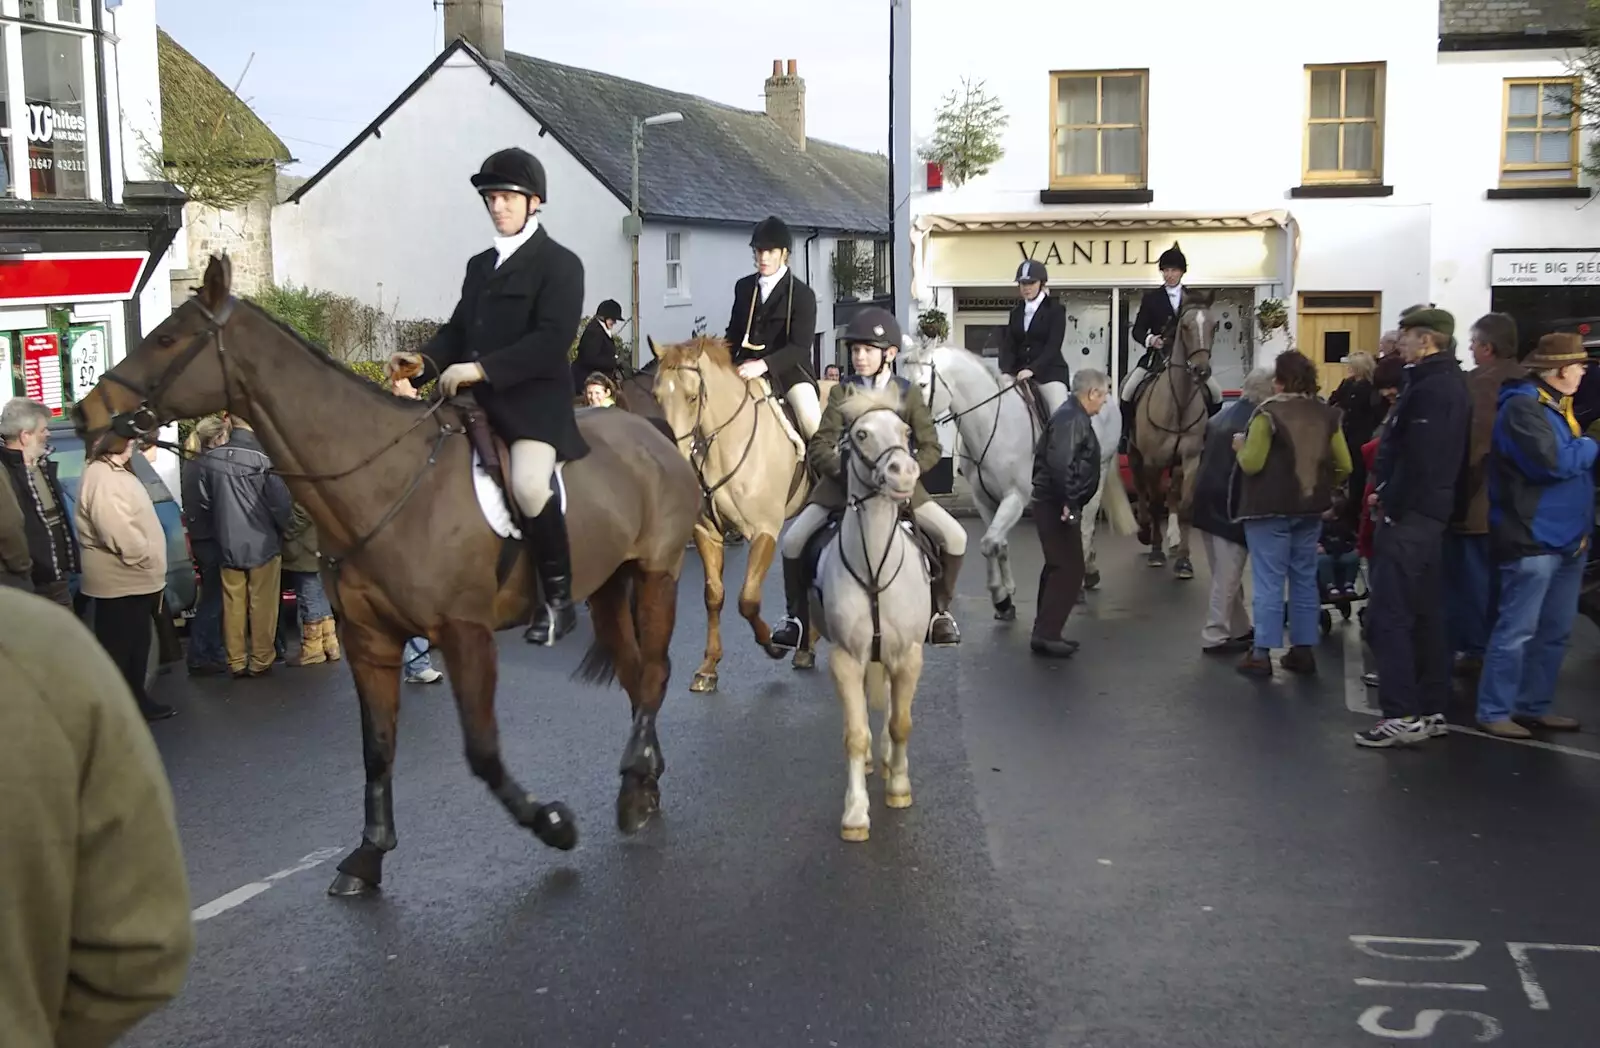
[875, 587]
[144, 419]
[700, 441]
[956, 416]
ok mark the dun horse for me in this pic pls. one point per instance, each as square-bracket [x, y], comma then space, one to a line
[751, 478]
[1170, 429]
[875, 603]
[407, 549]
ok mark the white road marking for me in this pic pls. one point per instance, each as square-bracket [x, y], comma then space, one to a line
[1390, 983]
[1356, 701]
[1537, 1000]
[223, 903]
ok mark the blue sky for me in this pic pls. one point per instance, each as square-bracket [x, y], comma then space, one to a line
[324, 68]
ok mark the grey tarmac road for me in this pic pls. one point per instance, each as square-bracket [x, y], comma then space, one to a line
[1135, 848]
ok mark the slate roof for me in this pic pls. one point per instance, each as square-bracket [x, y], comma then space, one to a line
[720, 164]
[1509, 17]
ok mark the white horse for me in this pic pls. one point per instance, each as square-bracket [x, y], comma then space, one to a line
[875, 602]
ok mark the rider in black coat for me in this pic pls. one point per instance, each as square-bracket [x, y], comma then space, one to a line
[508, 339]
[773, 322]
[1157, 311]
[597, 350]
[1031, 344]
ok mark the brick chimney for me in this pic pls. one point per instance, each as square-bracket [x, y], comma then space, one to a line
[786, 101]
[480, 23]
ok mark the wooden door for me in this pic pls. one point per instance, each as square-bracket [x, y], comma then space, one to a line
[1332, 326]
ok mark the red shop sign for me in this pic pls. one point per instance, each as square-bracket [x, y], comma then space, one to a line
[41, 369]
[61, 279]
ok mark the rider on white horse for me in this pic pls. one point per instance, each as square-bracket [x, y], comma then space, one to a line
[873, 337]
[1157, 310]
[1030, 347]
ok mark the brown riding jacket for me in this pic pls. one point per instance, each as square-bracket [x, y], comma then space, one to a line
[823, 452]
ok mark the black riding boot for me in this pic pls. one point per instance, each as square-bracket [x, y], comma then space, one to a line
[792, 630]
[942, 631]
[546, 539]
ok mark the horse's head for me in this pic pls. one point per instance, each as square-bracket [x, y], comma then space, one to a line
[916, 365]
[1196, 329]
[175, 372]
[692, 378]
[878, 446]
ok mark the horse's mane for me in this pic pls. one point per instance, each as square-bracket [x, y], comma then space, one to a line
[680, 354]
[865, 400]
[324, 358]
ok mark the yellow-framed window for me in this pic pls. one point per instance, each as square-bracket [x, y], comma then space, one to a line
[1098, 128]
[1539, 141]
[1344, 124]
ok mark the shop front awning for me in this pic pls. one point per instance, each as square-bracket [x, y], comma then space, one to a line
[1104, 243]
[64, 278]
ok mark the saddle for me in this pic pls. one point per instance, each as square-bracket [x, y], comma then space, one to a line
[1035, 402]
[927, 545]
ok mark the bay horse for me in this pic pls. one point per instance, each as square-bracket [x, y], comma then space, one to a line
[875, 602]
[407, 550]
[1169, 429]
[751, 479]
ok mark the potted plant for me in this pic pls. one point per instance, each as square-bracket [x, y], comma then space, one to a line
[933, 325]
[1271, 315]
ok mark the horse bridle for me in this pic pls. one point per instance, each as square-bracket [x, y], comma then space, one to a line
[956, 416]
[874, 584]
[145, 419]
[700, 441]
[1169, 368]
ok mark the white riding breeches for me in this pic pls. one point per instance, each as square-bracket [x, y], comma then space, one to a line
[804, 525]
[533, 467]
[1055, 395]
[952, 537]
[1130, 385]
[802, 397]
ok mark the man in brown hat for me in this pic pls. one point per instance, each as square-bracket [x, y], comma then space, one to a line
[1541, 515]
[1417, 466]
[1467, 562]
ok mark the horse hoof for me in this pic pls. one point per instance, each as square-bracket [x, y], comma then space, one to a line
[1144, 536]
[1156, 559]
[1183, 569]
[897, 800]
[347, 886]
[805, 660]
[635, 808]
[704, 682]
[774, 652]
[854, 834]
[1005, 611]
[554, 825]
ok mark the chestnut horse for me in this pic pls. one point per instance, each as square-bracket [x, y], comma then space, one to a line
[752, 479]
[407, 550]
[1169, 429]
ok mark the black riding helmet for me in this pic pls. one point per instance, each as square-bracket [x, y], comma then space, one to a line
[1172, 258]
[512, 171]
[771, 234]
[875, 326]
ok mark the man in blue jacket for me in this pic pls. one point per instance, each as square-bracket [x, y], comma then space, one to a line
[1541, 514]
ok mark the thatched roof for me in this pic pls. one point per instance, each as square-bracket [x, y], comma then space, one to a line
[193, 99]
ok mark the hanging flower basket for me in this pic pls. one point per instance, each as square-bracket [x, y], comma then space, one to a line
[1271, 315]
[932, 323]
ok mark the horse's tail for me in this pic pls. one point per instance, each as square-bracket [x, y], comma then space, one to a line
[877, 686]
[1119, 513]
[599, 666]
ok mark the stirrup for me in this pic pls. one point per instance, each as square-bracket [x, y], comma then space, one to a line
[780, 633]
[944, 617]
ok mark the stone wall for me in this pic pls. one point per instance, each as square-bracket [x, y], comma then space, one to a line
[244, 232]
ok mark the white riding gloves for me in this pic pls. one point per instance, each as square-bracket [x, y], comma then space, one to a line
[457, 376]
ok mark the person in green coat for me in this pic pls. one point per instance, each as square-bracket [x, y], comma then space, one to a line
[873, 336]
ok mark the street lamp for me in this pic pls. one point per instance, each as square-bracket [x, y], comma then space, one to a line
[633, 226]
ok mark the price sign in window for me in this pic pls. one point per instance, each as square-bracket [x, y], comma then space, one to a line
[41, 370]
[87, 354]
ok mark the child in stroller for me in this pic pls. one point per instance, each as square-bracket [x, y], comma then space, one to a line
[1338, 563]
